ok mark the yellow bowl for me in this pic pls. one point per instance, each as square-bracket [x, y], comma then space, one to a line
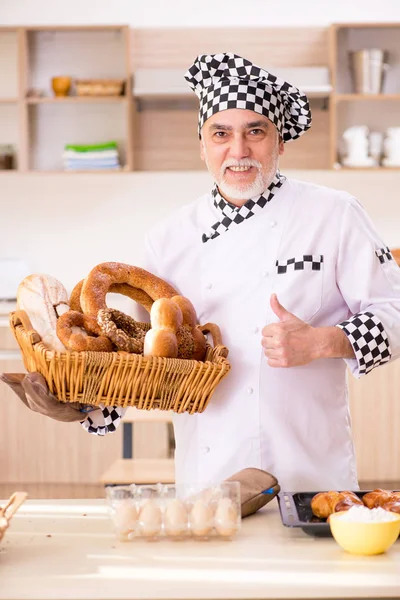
[364, 538]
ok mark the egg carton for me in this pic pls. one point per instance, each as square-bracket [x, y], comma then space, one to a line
[155, 512]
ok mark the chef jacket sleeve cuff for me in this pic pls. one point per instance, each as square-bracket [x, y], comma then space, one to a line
[369, 341]
[104, 420]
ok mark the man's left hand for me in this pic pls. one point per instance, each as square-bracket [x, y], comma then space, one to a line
[289, 343]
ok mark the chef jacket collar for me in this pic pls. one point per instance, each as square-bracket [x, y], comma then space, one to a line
[235, 215]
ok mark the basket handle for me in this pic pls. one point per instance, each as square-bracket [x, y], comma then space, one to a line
[19, 317]
[215, 332]
[13, 504]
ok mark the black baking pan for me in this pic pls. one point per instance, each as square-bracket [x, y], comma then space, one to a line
[295, 509]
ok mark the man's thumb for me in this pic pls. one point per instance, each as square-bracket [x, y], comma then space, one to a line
[279, 310]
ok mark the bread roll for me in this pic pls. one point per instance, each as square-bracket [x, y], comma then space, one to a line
[44, 299]
[166, 318]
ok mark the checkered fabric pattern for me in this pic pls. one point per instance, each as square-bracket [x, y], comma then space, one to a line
[104, 421]
[368, 339]
[226, 80]
[234, 215]
[308, 262]
[384, 255]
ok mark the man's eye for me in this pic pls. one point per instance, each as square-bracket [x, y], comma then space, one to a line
[256, 131]
[220, 134]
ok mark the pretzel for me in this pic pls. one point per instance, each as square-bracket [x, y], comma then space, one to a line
[117, 288]
[80, 341]
[126, 333]
[100, 280]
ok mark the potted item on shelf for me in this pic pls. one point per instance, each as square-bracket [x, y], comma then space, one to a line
[61, 85]
[99, 87]
[6, 157]
[368, 69]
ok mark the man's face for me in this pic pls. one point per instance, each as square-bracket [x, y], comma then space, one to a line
[241, 150]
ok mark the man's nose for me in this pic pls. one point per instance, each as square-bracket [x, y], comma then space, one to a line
[239, 147]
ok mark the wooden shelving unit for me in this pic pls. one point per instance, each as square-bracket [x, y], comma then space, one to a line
[155, 120]
[41, 125]
[377, 111]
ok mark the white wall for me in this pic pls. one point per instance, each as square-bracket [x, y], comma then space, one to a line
[66, 224]
[197, 13]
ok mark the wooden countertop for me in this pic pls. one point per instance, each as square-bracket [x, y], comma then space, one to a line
[66, 549]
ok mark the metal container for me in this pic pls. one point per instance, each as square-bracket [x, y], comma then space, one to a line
[368, 68]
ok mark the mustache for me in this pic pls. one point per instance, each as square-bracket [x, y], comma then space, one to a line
[245, 162]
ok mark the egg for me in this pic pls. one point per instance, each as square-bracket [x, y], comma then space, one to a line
[175, 518]
[201, 518]
[226, 517]
[125, 519]
[150, 519]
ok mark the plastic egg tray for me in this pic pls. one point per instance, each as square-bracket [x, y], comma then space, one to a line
[154, 512]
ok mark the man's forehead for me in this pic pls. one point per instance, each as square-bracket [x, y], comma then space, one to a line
[233, 118]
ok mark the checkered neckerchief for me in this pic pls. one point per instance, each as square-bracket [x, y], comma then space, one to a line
[234, 215]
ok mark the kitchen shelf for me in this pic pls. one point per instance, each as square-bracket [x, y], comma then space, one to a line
[40, 126]
[73, 99]
[162, 84]
[378, 112]
[365, 97]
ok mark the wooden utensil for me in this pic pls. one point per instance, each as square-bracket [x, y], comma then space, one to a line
[7, 511]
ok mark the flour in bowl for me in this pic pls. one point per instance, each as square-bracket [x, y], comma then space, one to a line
[362, 514]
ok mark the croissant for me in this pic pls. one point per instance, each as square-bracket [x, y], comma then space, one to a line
[378, 498]
[392, 506]
[324, 504]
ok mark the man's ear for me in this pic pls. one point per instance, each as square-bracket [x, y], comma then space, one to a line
[202, 154]
[281, 146]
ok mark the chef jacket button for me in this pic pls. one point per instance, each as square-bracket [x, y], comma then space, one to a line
[206, 449]
[266, 273]
[272, 223]
[250, 391]
[256, 329]
[209, 286]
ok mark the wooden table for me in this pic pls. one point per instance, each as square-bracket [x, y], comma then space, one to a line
[66, 549]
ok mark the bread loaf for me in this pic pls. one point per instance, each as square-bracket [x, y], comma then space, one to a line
[44, 299]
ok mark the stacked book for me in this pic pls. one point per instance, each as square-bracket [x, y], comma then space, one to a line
[91, 157]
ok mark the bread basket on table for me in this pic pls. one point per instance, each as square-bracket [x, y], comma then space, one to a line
[124, 379]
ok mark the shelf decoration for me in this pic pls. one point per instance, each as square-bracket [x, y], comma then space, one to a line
[91, 157]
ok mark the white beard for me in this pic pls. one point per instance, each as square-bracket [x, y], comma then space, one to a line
[244, 192]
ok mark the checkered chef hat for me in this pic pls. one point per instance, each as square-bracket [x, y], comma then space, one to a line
[226, 80]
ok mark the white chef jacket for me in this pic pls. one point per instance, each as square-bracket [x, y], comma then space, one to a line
[317, 249]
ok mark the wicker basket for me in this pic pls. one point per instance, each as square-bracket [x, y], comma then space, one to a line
[99, 87]
[122, 379]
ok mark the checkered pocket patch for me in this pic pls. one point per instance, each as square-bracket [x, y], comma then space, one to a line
[307, 262]
[384, 255]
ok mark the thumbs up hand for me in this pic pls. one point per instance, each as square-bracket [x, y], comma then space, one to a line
[291, 341]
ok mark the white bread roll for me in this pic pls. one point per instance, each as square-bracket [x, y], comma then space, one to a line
[44, 299]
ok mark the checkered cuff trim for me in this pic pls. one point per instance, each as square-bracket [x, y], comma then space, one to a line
[112, 417]
[384, 255]
[368, 339]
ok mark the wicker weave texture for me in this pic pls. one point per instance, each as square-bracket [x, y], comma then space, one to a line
[122, 379]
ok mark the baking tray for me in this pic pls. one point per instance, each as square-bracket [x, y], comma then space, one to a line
[295, 509]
